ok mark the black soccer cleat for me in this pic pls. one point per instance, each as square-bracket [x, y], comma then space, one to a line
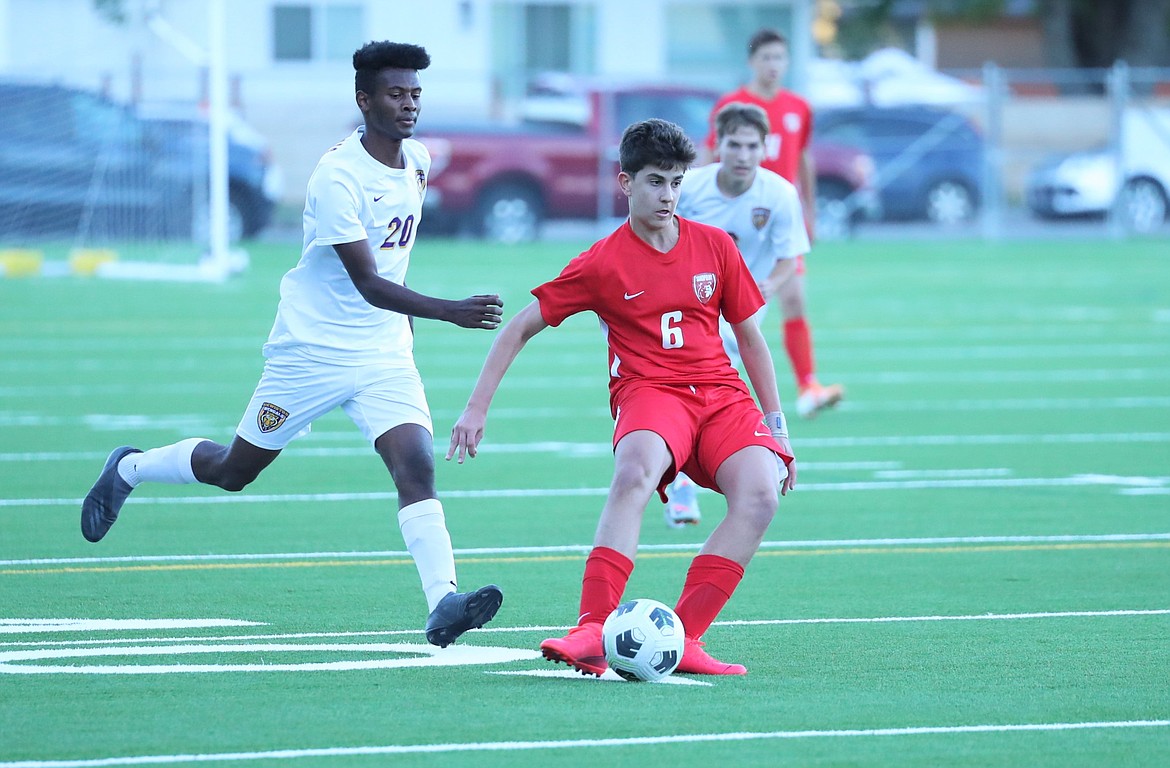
[460, 611]
[100, 509]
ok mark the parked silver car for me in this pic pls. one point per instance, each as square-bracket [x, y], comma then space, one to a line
[1087, 184]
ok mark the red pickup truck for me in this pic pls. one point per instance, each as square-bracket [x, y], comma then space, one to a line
[560, 162]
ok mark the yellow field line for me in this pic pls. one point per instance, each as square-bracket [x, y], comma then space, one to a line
[802, 552]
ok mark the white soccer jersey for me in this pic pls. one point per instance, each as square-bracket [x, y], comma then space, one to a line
[765, 221]
[351, 196]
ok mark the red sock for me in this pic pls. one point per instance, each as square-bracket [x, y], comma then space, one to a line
[710, 581]
[798, 343]
[606, 574]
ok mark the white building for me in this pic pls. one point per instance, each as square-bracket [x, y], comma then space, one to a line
[290, 60]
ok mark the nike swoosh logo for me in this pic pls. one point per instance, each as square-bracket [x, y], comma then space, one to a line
[763, 434]
[379, 197]
[629, 296]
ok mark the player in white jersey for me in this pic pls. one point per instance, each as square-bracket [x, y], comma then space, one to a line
[761, 210]
[343, 337]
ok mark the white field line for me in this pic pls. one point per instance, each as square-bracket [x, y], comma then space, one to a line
[569, 448]
[196, 421]
[31, 628]
[584, 548]
[588, 744]
[1145, 485]
[575, 449]
[557, 383]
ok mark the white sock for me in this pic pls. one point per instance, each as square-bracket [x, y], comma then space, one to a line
[169, 464]
[424, 529]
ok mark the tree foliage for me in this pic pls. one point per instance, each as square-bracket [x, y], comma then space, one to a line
[1077, 33]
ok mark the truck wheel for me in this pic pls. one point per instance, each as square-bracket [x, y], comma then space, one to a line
[509, 213]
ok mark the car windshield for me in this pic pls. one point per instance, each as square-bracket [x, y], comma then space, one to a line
[689, 111]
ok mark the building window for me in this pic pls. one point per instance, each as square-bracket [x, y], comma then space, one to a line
[707, 42]
[316, 31]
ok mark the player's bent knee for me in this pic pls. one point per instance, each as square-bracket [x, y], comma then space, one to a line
[633, 478]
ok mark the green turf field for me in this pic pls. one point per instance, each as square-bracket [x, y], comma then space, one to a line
[974, 569]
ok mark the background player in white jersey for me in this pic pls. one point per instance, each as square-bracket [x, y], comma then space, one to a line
[761, 210]
[343, 337]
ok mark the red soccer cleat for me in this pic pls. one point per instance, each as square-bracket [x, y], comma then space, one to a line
[696, 661]
[581, 649]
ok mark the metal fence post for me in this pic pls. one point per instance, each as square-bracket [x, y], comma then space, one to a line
[1117, 84]
[992, 208]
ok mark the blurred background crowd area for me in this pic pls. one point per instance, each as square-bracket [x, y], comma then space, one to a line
[983, 117]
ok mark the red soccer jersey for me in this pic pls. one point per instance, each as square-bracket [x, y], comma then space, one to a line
[790, 120]
[659, 311]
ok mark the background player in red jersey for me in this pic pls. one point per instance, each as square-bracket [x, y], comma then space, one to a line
[786, 153]
[659, 285]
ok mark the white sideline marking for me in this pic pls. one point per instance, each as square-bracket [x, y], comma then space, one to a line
[637, 741]
[601, 449]
[584, 548]
[1071, 481]
[401, 655]
[609, 676]
[21, 626]
[554, 629]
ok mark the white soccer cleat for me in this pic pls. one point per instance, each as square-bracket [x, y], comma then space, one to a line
[814, 399]
[682, 505]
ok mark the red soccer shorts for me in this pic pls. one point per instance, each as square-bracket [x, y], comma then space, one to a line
[702, 426]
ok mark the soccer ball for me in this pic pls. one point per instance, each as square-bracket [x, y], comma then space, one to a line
[643, 640]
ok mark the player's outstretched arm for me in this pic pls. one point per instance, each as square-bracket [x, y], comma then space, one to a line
[481, 311]
[757, 362]
[468, 430]
[782, 271]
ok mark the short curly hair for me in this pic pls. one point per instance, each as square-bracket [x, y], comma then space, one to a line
[373, 57]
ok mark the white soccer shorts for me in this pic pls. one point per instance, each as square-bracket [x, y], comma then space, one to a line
[294, 391]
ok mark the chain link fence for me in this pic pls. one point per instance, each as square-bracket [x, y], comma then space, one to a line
[1032, 153]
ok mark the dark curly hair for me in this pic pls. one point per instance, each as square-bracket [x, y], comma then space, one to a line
[373, 57]
[655, 142]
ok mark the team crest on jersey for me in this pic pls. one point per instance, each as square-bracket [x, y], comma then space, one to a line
[421, 178]
[760, 217]
[270, 417]
[704, 283]
[791, 122]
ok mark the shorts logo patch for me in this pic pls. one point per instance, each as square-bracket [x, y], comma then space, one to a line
[270, 417]
[760, 217]
[704, 283]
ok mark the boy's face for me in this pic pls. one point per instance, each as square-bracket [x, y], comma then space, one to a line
[769, 63]
[393, 107]
[740, 152]
[653, 195]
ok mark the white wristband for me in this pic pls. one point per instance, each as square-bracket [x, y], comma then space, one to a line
[775, 422]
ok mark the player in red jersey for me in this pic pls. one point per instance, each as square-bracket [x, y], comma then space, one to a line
[786, 153]
[659, 284]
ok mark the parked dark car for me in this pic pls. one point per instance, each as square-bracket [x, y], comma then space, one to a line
[73, 163]
[929, 160]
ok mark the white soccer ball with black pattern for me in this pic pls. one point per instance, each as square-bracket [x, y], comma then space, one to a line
[643, 640]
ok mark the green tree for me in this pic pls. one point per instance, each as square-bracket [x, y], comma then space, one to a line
[1077, 33]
